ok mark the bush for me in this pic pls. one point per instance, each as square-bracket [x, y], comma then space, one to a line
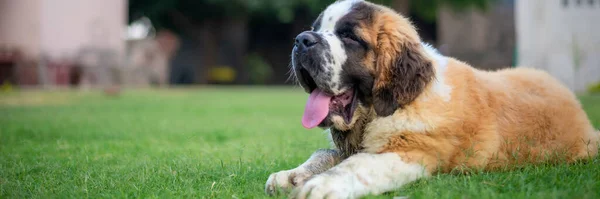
[594, 88]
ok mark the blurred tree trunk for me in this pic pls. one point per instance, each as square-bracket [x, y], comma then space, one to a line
[222, 42]
[189, 57]
[209, 36]
[233, 47]
[401, 6]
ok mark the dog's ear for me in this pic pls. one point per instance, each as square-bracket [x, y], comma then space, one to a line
[403, 72]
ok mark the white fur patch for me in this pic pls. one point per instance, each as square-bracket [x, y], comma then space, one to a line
[330, 17]
[287, 179]
[380, 130]
[334, 12]
[399, 124]
[339, 58]
[360, 175]
[440, 87]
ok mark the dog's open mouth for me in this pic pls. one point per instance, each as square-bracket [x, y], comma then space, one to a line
[320, 104]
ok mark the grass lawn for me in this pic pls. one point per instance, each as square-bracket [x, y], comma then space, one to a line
[206, 143]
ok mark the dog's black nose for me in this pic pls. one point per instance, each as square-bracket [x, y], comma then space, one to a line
[306, 40]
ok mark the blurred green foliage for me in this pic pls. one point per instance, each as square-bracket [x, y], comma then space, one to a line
[160, 11]
[594, 88]
[258, 68]
[427, 9]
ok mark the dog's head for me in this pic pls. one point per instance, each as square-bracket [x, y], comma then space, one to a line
[359, 56]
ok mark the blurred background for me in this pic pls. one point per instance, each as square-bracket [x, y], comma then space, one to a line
[149, 43]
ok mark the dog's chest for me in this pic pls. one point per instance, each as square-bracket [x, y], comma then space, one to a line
[348, 142]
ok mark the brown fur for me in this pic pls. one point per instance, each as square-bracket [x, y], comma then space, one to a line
[493, 120]
[410, 72]
[497, 120]
[402, 72]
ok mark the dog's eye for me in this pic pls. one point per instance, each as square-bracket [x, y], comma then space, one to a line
[346, 36]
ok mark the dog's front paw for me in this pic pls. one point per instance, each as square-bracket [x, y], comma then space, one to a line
[286, 180]
[326, 186]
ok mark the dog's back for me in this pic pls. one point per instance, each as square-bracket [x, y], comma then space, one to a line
[539, 118]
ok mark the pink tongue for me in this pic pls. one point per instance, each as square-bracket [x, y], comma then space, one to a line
[316, 109]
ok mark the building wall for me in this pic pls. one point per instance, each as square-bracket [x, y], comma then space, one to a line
[561, 37]
[62, 27]
[69, 25]
[485, 39]
[20, 25]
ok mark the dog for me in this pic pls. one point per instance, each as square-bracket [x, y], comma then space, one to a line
[397, 110]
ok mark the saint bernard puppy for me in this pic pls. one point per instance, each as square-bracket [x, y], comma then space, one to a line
[397, 110]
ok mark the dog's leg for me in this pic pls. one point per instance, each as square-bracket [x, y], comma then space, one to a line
[318, 162]
[360, 175]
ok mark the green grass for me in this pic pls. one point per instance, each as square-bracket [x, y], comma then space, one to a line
[206, 143]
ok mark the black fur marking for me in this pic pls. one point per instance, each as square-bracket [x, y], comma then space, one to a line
[406, 80]
[350, 142]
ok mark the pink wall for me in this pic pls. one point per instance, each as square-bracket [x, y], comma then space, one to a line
[20, 25]
[61, 27]
[68, 25]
